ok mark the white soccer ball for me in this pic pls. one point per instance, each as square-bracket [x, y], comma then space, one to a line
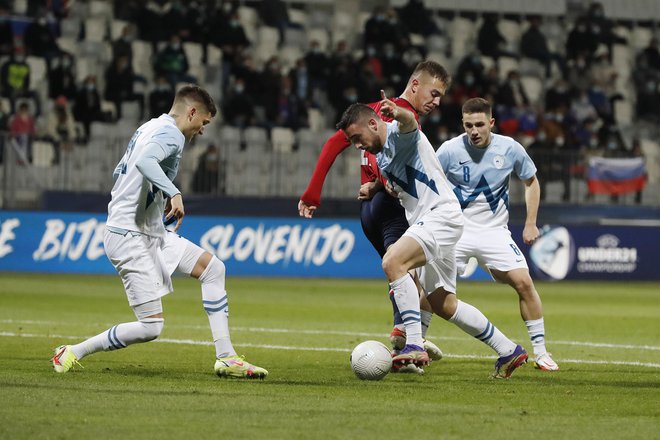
[371, 360]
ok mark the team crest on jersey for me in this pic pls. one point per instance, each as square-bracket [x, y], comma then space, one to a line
[498, 161]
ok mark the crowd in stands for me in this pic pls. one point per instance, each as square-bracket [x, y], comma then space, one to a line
[575, 115]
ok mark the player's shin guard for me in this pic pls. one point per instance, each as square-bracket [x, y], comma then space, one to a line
[469, 319]
[215, 302]
[407, 300]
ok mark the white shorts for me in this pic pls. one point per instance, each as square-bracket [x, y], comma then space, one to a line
[493, 248]
[145, 264]
[437, 233]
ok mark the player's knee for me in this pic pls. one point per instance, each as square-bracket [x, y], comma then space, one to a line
[524, 286]
[215, 271]
[392, 267]
[151, 328]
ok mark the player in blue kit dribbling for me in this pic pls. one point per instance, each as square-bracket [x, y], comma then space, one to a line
[407, 159]
[145, 254]
[478, 164]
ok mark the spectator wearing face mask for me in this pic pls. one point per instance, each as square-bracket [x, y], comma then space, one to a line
[39, 39]
[15, 80]
[172, 62]
[87, 106]
[119, 85]
[318, 66]
[238, 108]
[62, 77]
[21, 129]
[228, 35]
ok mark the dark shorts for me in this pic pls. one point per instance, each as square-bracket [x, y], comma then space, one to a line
[383, 221]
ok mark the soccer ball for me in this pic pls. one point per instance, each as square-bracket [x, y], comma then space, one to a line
[371, 360]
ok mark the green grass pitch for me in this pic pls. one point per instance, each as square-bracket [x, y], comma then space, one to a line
[604, 335]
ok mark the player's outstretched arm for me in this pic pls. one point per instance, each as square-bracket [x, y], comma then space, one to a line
[532, 201]
[405, 117]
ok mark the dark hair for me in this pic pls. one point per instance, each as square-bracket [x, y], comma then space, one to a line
[434, 69]
[195, 93]
[353, 114]
[477, 105]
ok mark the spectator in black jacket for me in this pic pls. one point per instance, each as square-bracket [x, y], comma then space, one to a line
[534, 44]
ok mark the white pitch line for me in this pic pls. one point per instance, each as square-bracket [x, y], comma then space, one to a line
[353, 333]
[332, 349]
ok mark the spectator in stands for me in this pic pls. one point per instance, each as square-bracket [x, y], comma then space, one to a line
[172, 62]
[161, 97]
[207, 174]
[581, 42]
[397, 32]
[61, 128]
[62, 77]
[470, 64]
[21, 130]
[318, 66]
[511, 93]
[370, 78]
[395, 72]
[300, 81]
[534, 45]
[652, 54]
[15, 80]
[39, 39]
[246, 70]
[270, 82]
[159, 20]
[490, 40]
[274, 13]
[541, 151]
[123, 46]
[119, 81]
[228, 34]
[376, 29]
[415, 15]
[238, 107]
[291, 110]
[6, 32]
[647, 86]
[602, 27]
[343, 74]
[581, 108]
[558, 95]
[87, 106]
[349, 95]
[127, 10]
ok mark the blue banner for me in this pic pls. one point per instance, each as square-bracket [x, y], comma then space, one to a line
[73, 243]
[252, 246]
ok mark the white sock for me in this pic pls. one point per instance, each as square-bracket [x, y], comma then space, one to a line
[536, 330]
[469, 319]
[426, 321]
[214, 300]
[120, 336]
[407, 300]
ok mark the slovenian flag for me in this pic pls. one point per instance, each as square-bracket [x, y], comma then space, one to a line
[616, 176]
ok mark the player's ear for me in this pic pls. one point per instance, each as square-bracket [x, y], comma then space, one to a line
[192, 111]
[414, 84]
[492, 122]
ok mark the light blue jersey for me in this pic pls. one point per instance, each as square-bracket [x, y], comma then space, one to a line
[143, 177]
[480, 176]
[409, 163]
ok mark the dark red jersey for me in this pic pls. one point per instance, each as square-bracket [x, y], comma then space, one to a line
[338, 143]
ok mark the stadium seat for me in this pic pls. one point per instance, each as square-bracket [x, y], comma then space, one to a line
[282, 139]
[116, 28]
[298, 16]
[511, 31]
[194, 52]
[623, 112]
[289, 55]
[68, 44]
[42, 154]
[213, 55]
[533, 87]
[95, 29]
[640, 37]
[70, 27]
[37, 69]
[268, 37]
[256, 139]
[100, 8]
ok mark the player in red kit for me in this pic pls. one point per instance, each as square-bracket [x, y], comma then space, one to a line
[382, 216]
